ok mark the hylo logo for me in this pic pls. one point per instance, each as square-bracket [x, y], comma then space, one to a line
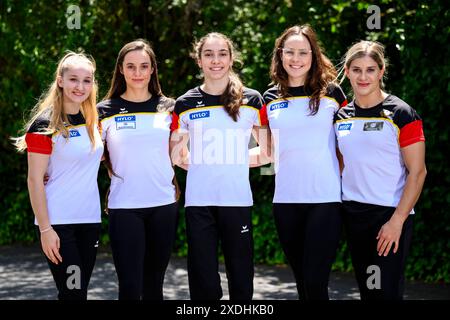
[199, 115]
[125, 122]
[279, 105]
[74, 133]
[125, 118]
[344, 126]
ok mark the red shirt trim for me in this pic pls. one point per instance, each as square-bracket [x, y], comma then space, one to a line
[38, 143]
[263, 116]
[411, 133]
[175, 122]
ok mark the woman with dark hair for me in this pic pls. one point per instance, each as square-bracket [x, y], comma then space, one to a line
[300, 109]
[142, 201]
[217, 118]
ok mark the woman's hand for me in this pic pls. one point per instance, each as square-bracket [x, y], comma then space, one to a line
[414, 159]
[178, 150]
[50, 245]
[389, 235]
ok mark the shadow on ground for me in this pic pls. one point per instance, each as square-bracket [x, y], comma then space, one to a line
[24, 275]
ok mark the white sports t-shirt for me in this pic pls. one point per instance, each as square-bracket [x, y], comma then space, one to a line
[137, 138]
[72, 190]
[370, 141]
[306, 166]
[218, 172]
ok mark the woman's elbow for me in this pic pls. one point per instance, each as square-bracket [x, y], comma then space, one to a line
[424, 172]
[34, 181]
[419, 174]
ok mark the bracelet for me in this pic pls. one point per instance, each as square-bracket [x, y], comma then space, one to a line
[47, 229]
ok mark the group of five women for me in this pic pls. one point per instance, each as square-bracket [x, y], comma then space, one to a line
[360, 162]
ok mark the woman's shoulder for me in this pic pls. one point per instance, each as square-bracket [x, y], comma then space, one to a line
[193, 93]
[40, 124]
[271, 94]
[107, 107]
[396, 102]
[108, 103]
[252, 98]
[334, 91]
[399, 110]
[333, 88]
[190, 99]
[251, 92]
[110, 107]
[165, 104]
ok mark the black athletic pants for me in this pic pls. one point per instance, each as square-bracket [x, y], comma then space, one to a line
[78, 249]
[309, 235]
[141, 243]
[362, 223]
[205, 226]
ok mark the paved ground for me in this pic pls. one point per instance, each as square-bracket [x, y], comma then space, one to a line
[24, 275]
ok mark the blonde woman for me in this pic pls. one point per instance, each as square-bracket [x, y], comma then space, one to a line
[62, 140]
[382, 144]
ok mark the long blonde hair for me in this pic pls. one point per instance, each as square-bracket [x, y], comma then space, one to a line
[50, 104]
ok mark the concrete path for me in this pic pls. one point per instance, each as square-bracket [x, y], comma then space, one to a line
[24, 275]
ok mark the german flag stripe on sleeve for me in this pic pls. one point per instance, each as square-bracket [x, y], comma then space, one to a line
[175, 122]
[38, 143]
[263, 116]
[411, 133]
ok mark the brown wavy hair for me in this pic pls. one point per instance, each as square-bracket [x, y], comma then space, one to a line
[321, 74]
[233, 95]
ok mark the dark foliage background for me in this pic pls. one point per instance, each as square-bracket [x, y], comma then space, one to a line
[34, 35]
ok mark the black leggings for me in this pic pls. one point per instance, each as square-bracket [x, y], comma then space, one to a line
[362, 223]
[78, 249]
[141, 243]
[309, 235]
[233, 226]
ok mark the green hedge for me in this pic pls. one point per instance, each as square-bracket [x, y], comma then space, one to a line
[34, 35]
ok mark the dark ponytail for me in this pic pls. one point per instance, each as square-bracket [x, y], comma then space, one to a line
[233, 95]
